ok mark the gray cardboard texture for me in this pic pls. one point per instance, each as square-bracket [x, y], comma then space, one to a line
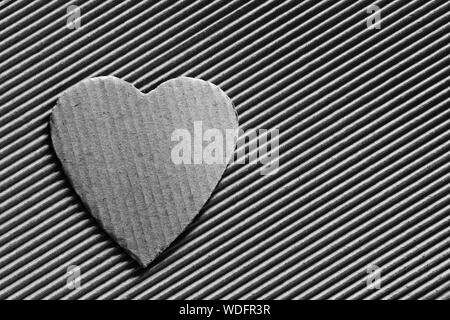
[362, 189]
[115, 146]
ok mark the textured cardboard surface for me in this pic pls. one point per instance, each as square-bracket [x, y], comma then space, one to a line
[364, 175]
[115, 146]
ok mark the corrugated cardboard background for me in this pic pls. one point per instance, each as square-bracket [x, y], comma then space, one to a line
[364, 147]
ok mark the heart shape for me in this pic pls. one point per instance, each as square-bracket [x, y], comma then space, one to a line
[116, 147]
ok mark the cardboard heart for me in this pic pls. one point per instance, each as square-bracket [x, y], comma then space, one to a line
[116, 146]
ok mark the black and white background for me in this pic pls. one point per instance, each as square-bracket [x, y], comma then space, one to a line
[359, 91]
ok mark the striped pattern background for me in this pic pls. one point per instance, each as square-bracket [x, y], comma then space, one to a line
[364, 124]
